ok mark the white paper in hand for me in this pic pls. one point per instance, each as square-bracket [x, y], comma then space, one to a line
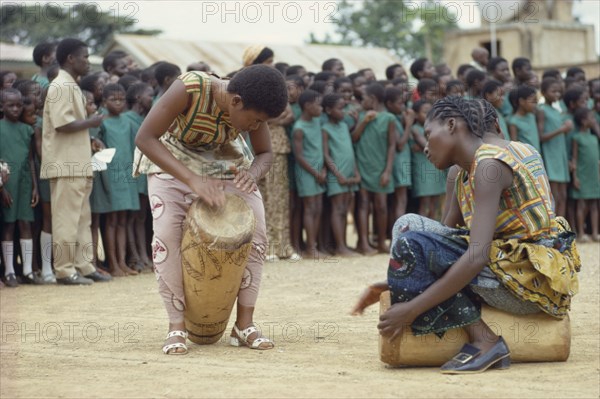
[102, 158]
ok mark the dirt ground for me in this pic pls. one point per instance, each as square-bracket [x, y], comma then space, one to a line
[105, 341]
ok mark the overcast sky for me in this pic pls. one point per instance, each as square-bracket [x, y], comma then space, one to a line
[276, 21]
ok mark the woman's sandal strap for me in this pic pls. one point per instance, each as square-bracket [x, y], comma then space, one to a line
[177, 345]
[177, 333]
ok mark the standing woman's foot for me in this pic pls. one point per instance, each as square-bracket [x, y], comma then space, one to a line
[366, 250]
[250, 337]
[175, 343]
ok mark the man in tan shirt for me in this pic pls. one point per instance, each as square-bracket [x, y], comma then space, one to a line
[66, 161]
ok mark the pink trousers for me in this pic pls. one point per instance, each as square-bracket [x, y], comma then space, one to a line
[169, 202]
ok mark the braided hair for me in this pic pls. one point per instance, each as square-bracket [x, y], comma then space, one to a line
[458, 107]
[490, 116]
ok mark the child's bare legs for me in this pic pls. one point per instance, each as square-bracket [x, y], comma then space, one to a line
[559, 192]
[380, 210]
[424, 205]
[581, 213]
[121, 238]
[593, 204]
[111, 245]
[311, 219]
[399, 209]
[572, 213]
[362, 223]
[133, 256]
[95, 227]
[46, 239]
[295, 221]
[339, 213]
[140, 231]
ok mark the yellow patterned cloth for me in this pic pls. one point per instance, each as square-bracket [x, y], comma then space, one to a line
[533, 253]
[203, 138]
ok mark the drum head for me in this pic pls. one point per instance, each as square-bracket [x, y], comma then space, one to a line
[231, 225]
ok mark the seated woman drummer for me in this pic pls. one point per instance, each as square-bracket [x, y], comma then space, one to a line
[510, 251]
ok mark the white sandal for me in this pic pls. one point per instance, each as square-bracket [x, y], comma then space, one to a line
[177, 345]
[242, 338]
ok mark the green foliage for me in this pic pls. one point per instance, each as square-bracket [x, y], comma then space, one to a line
[33, 24]
[409, 29]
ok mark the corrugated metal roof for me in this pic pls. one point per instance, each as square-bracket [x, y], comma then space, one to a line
[18, 53]
[226, 57]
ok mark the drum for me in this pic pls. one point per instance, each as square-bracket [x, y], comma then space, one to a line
[214, 250]
[531, 338]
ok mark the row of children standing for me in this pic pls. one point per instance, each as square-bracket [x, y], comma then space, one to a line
[118, 202]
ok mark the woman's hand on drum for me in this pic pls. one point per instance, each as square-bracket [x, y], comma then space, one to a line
[245, 181]
[395, 319]
[211, 191]
[369, 297]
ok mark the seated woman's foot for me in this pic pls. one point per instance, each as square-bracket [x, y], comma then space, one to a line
[478, 357]
[250, 337]
[175, 343]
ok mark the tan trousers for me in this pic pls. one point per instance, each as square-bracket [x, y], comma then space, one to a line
[71, 225]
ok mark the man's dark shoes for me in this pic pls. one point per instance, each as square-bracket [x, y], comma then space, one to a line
[470, 360]
[74, 279]
[98, 277]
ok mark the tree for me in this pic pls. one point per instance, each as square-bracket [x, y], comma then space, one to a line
[33, 24]
[409, 29]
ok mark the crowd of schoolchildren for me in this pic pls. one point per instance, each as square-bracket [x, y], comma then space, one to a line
[349, 147]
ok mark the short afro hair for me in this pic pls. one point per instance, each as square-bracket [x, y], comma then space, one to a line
[134, 90]
[494, 62]
[417, 66]
[66, 47]
[329, 64]
[261, 88]
[308, 96]
[376, 90]
[166, 70]
[41, 50]
[111, 89]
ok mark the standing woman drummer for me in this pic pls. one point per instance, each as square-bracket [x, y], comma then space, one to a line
[193, 148]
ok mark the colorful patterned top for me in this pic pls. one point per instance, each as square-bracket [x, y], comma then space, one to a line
[525, 208]
[203, 139]
[533, 254]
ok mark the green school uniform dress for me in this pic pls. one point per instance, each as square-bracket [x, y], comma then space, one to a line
[588, 156]
[506, 109]
[348, 119]
[100, 201]
[297, 111]
[427, 180]
[342, 154]
[136, 120]
[527, 131]
[554, 151]
[15, 143]
[43, 184]
[312, 151]
[117, 134]
[41, 80]
[371, 152]
[569, 136]
[503, 125]
[402, 170]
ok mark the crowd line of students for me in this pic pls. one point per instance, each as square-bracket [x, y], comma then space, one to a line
[346, 148]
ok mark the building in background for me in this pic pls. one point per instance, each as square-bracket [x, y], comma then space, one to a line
[542, 30]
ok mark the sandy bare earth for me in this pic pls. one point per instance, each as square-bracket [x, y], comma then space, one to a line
[105, 341]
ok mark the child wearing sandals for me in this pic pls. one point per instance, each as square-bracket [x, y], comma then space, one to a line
[205, 161]
[437, 280]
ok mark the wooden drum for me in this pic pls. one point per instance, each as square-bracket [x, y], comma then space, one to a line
[214, 250]
[530, 338]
